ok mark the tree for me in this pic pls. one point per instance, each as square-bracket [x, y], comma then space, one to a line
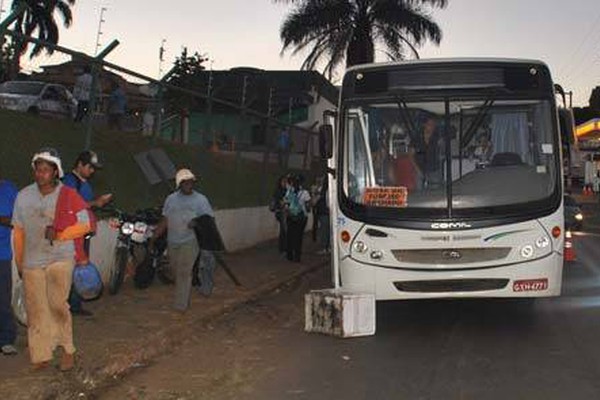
[595, 99]
[6, 56]
[186, 67]
[39, 18]
[186, 74]
[337, 30]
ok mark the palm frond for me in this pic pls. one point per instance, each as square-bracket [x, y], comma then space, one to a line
[335, 30]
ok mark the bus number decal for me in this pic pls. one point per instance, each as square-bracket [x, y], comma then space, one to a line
[530, 285]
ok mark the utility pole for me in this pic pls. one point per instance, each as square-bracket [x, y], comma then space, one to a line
[270, 108]
[99, 32]
[244, 88]
[210, 79]
[570, 93]
[161, 57]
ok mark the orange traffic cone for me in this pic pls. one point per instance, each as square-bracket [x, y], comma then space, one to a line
[569, 254]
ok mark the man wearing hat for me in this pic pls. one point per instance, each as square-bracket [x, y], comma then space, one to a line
[48, 217]
[85, 167]
[180, 208]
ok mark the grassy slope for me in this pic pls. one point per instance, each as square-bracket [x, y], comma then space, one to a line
[21, 135]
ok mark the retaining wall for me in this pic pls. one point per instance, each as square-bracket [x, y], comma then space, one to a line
[240, 228]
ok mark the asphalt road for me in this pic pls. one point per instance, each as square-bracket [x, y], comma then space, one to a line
[468, 349]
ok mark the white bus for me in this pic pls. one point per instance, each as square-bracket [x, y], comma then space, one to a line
[446, 180]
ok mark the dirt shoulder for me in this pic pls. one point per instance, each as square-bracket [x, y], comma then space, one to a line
[131, 329]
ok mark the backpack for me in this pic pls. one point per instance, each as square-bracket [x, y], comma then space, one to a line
[295, 208]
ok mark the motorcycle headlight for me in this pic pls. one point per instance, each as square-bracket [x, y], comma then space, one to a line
[127, 228]
[579, 217]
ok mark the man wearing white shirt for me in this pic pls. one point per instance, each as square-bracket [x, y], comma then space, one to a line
[81, 92]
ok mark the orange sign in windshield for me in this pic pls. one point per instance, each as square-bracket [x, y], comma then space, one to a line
[386, 196]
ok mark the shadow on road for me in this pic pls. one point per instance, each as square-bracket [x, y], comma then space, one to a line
[485, 314]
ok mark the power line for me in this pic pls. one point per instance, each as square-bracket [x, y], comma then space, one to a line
[569, 66]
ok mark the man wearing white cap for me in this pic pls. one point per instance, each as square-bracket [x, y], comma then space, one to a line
[180, 208]
[47, 219]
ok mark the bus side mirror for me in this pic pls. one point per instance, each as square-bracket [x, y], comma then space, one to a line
[326, 141]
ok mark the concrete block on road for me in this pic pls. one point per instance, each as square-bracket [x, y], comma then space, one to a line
[340, 313]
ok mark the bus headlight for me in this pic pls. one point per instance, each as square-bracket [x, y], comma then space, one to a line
[377, 255]
[360, 247]
[542, 242]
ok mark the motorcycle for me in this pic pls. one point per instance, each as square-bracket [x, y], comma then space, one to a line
[155, 261]
[135, 230]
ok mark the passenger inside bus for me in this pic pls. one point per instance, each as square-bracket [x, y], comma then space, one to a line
[428, 153]
[405, 171]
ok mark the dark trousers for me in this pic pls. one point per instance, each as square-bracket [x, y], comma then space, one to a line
[282, 232]
[75, 301]
[8, 329]
[82, 109]
[295, 234]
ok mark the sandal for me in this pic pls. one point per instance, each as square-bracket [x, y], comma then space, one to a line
[9, 350]
[40, 366]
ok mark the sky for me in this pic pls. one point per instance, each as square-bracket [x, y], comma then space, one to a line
[564, 34]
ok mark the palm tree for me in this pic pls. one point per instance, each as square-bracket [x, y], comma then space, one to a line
[335, 30]
[39, 19]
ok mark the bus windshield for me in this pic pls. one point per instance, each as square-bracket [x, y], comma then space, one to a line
[449, 156]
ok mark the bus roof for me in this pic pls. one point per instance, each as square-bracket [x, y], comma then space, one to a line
[461, 60]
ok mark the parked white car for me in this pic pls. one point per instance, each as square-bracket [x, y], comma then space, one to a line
[48, 99]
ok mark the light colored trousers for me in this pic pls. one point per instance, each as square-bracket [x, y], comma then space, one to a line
[181, 260]
[49, 322]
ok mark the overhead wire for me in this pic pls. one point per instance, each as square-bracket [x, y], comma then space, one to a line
[591, 32]
[570, 71]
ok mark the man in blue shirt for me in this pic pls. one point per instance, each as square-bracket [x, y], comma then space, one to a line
[85, 166]
[8, 329]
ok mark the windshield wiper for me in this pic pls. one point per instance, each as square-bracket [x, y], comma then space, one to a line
[408, 122]
[472, 129]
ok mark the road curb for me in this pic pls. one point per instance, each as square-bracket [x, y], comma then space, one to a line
[88, 384]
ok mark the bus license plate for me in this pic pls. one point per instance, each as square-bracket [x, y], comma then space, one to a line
[530, 285]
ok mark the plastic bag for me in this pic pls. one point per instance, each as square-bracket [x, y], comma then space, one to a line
[18, 302]
[87, 281]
